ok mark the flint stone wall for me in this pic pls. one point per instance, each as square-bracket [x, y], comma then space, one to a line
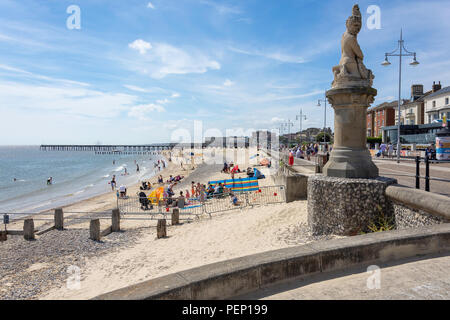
[406, 217]
[414, 208]
[345, 206]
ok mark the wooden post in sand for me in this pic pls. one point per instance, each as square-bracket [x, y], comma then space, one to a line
[161, 229]
[94, 230]
[175, 217]
[3, 236]
[59, 219]
[28, 229]
[115, 226]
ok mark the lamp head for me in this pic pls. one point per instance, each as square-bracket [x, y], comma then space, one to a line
[414, 62]
[386, 62]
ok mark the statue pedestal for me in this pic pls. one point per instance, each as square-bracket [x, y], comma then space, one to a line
[350, 157]
[344, 206]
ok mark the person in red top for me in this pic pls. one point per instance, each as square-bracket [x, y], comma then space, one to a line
[291, 158]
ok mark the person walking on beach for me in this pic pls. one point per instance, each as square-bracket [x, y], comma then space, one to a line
[49, 181]
[137, 168]
[113, 182]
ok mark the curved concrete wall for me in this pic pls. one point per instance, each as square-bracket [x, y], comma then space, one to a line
[431, 203]
[239, 276]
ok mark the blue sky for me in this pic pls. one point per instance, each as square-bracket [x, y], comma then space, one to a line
[141, 72]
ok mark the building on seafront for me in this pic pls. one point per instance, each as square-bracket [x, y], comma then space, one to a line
[420, 116]
[412, 111]
[437, 104]
[227, 142]
[380, 116]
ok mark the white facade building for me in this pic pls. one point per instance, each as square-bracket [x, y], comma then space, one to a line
[437, 104]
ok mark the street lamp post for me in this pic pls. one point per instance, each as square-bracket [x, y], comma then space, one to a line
[400, 48]
[300, 117]
[289, 124]
[324, 117]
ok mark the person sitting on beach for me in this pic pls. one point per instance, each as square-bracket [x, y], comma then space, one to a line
[160, 179]
[181, 201]
[234, 199]
[122, 191]
[225, 167]
[193, 188]
[219, 189]
[210, 190]
[143, 200]
[170, 191]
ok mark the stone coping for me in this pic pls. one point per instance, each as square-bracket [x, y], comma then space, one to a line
[232, 278]
[432, 203]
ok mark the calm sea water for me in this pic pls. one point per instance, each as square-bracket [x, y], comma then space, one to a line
[76, 176]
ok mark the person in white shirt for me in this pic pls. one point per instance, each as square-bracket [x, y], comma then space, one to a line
[390, 150]
[123, 191]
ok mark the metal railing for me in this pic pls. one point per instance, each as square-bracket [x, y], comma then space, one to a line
[209, 204]
[427, 177]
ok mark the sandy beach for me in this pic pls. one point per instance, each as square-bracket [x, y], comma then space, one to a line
[40, 269]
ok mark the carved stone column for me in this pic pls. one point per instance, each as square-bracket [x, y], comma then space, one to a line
[350, 157]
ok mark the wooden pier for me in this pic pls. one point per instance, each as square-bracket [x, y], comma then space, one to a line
[120, 149]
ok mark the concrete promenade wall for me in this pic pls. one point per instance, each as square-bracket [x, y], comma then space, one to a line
[243, 275]
[414, 208]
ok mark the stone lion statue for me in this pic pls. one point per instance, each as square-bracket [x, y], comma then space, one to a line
[351, 70]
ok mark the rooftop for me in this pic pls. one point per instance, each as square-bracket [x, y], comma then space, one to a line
[442, 91]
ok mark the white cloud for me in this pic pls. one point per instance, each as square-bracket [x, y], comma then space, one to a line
[135, 88]
[150, 5]
[276, 119]
[23, 73]
[140, 45]
[164, 101]
[222, 9]
[165, 59]
[278, 56]
[228, 83]
[64, 99]
[175, 95]
[142, 111]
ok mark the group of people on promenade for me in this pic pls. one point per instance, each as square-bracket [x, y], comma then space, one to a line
[386, 150]
[305, 151]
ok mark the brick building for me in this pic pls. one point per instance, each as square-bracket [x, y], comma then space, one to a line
[382, 115]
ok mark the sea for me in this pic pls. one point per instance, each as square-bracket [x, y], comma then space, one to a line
[76, 176]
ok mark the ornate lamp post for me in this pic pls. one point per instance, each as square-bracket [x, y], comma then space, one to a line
[400, 54]
[324, 117]
[301, 117]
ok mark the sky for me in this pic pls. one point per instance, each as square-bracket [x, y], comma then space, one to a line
[138, 72]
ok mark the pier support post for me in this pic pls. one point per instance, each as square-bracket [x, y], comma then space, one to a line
[115, 226]
[28, 229]
[161, 229]
[94, 230]
[175, 217]
[59, 219]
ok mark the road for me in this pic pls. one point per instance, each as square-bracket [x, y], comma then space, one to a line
[392, 169]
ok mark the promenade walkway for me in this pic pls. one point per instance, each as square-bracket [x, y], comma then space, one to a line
[409, 279]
